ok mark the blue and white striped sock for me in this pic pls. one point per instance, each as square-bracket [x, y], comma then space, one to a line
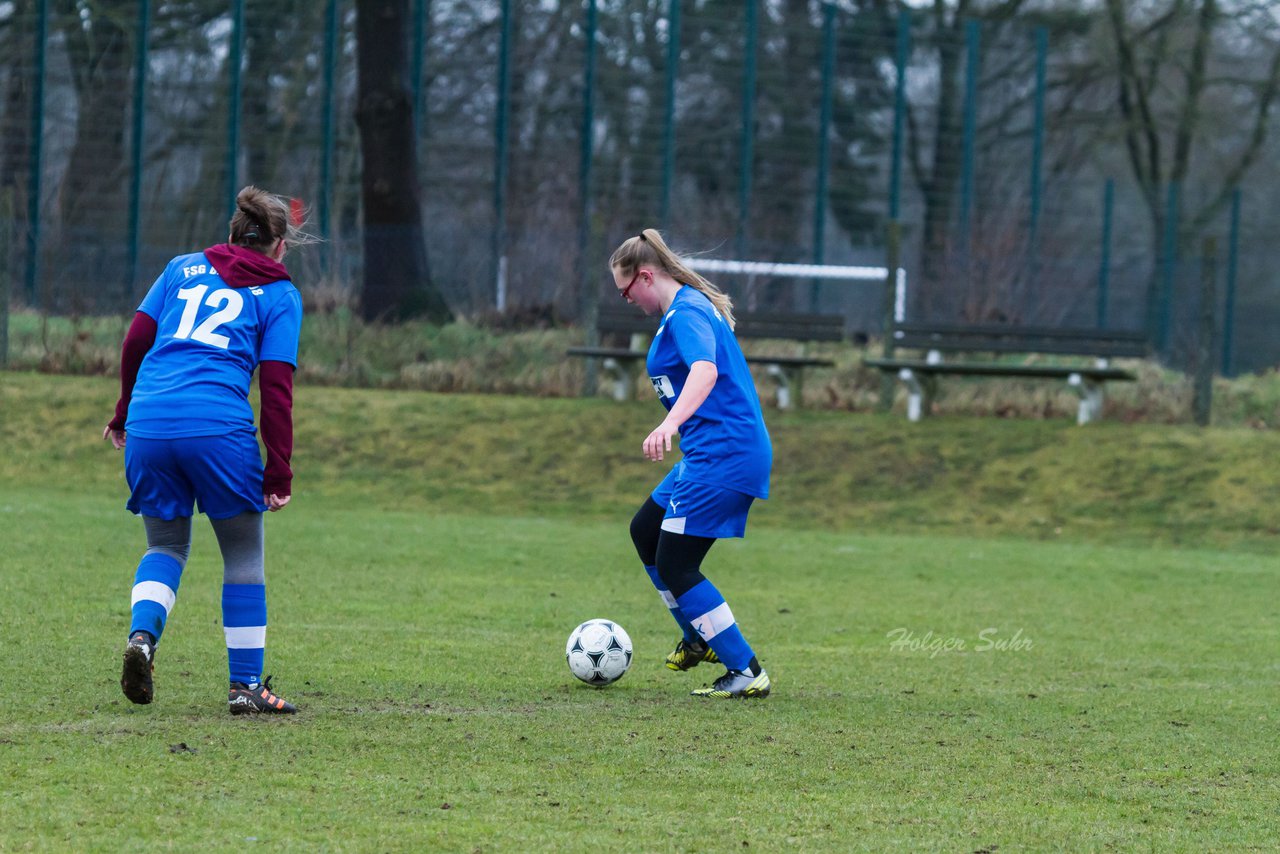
[244, 620]
[155, 589]
[670, 602]
[712, 619]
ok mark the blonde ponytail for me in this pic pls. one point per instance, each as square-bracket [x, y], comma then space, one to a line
[649, 248]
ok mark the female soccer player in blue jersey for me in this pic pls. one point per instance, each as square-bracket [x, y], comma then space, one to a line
[209, 320]
[702, 379]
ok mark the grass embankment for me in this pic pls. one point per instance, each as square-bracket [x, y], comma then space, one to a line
[575, 458]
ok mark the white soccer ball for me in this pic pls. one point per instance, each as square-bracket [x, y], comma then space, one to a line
[598, 652]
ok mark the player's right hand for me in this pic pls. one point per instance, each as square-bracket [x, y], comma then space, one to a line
[276, 502]
[659, 441]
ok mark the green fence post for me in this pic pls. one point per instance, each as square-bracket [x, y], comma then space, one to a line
[590, 297]
[1104, 266]
[325, 201]
[234, 61]
[824, 147]
[136, 147]
[669, 119]
[499, 236]
[893, 231]
[748, 124]
[893, 260]
[902, 52]
[419, 55]
[973, 45]
[1229, 310]
[1169, 261]
[1202, 400]
[6, 270]
[1037, 151]
[37, 151]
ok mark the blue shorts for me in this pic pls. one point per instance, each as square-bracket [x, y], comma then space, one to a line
[699, 509]
[168, 476]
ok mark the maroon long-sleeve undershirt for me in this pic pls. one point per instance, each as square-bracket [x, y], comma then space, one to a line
[137, 341]
[275, 384]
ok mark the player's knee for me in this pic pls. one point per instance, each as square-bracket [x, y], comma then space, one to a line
[177, 552]
[680, 579]
[169, 537]
[680, 561]
[240, 539]
[645, 530]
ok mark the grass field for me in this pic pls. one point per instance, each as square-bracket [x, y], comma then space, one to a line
[957, 665]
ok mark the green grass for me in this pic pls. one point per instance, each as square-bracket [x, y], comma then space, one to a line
[423, 583]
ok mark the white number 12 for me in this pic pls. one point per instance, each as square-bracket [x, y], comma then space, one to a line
[232, 303]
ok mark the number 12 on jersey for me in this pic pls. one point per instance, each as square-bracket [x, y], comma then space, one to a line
[230, 302]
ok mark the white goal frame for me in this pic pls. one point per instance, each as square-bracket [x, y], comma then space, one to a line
[835, 272]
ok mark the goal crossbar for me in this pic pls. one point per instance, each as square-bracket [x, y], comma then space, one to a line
[835, 272]
[800, 271]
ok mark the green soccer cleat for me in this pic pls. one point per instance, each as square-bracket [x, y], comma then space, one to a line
[139, 665]
[688, 655]
[258, 700]
[737, 684]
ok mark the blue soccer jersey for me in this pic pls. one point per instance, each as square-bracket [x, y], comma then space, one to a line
[209, 338]
[725, 442]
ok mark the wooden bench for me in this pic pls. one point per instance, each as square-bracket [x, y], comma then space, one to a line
[786, 371]
[936, 339]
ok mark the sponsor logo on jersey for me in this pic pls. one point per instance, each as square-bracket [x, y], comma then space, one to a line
[663, 386]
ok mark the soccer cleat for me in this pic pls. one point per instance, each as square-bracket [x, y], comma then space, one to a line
[737, 683]
[688, 655]
[244, 700]
[139, 664]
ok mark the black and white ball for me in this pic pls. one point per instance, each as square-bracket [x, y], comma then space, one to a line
[598, 652]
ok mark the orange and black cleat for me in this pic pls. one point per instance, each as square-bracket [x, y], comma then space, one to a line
[257, 700]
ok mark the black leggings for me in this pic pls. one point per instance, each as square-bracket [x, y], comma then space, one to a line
[678, 557]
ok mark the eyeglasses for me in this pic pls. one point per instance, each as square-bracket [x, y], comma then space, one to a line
[631, 284]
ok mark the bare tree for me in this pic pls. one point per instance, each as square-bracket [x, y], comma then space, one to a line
[100, 50]
[935, 162]
[15, 147]
[397, 281]
[1166, 88]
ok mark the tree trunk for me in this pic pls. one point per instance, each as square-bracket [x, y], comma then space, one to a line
[940, 185]
[93, 200]
[259, 126]
[397, 282]
[15, 148]
[15, 153]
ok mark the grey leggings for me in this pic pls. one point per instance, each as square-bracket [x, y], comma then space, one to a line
[240, 539]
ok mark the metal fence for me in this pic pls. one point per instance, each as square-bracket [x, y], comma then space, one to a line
[549, 131]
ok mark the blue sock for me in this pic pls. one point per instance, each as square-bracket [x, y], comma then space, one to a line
[670, 602]
[244, 620]
[155, 588]
[712, 619]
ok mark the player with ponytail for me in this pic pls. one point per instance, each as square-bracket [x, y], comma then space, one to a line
[186, 427]
[701, 377]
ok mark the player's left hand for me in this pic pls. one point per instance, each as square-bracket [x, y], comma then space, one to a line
[115, 437]
[659, 441]
[276, 502]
